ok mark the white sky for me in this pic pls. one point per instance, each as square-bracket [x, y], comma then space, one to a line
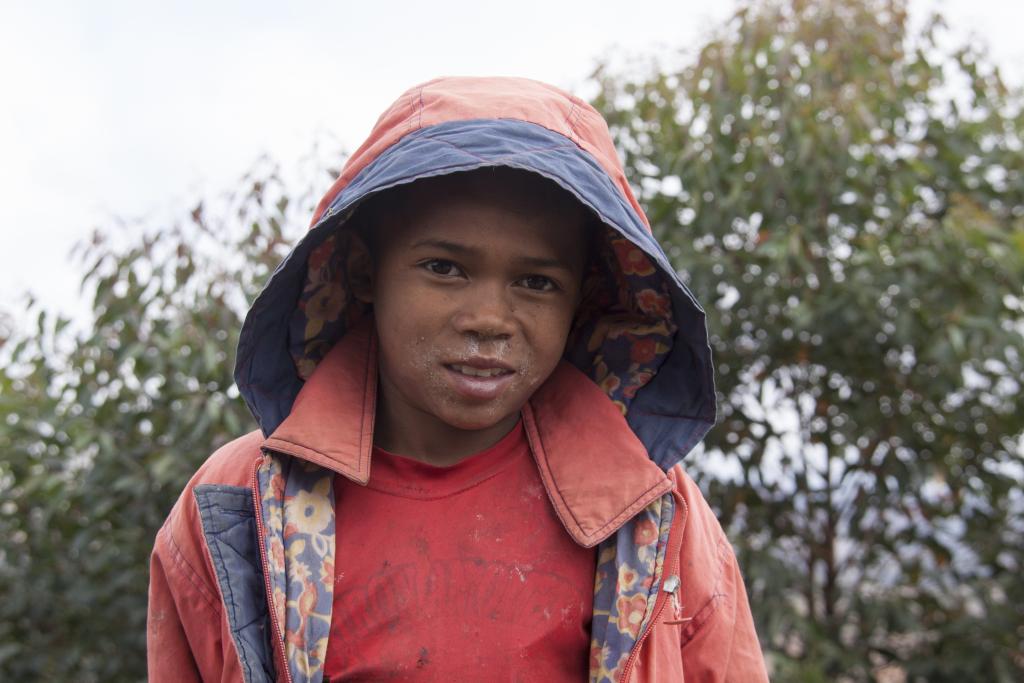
[131, 108]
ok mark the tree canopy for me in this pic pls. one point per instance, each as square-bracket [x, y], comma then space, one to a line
[846, 198]
[102, 429]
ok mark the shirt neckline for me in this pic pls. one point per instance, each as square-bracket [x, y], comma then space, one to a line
[399, 475]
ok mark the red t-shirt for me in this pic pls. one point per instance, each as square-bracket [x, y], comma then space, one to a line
[457, 573]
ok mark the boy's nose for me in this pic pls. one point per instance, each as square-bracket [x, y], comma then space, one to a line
[487, 315]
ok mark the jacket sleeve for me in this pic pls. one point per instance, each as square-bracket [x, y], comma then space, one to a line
[184, 638]
[718, 641]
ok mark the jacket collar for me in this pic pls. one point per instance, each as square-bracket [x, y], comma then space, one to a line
[596, 471]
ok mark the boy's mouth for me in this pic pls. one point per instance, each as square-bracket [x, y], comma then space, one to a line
[478, 372]
[480, 379]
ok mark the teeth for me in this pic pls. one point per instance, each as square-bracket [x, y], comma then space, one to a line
[477, 372]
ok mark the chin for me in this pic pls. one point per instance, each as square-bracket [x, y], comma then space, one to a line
[472, 423]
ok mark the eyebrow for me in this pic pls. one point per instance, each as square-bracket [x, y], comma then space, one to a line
[466, 250]
[446, 245]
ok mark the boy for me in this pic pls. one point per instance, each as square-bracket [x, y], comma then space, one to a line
[474, 378]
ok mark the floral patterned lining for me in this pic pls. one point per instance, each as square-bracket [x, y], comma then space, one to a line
[297, 509]
[629, 569]
[326, 308]
[624, 327]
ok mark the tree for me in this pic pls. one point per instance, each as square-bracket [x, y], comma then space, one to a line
[847, 198]
[102, 428]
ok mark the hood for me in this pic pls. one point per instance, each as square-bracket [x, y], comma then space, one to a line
[640, 335]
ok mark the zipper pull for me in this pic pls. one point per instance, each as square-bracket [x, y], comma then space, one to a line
[671, 586]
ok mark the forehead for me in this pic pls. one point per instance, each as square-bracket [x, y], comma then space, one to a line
[501, 211]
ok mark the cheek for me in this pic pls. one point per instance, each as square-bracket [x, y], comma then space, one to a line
[409, 328]
[402, 305]
[549, 331]
[407, 361]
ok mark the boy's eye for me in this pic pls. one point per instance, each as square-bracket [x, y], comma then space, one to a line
[539, 283]
[439, 266]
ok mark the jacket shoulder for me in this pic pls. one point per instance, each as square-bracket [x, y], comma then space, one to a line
[180, 539]
[231, 464]
[187, 630]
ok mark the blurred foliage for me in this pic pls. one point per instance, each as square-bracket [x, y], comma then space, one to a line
[101, 429]
[846, 197]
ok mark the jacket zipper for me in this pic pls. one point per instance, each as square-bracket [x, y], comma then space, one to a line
[669, 587]
[274, 626]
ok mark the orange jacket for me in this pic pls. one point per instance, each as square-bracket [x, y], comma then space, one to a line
[242, 570]
[702, 631]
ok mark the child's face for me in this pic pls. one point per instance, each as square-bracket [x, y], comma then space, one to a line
[473, 297]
